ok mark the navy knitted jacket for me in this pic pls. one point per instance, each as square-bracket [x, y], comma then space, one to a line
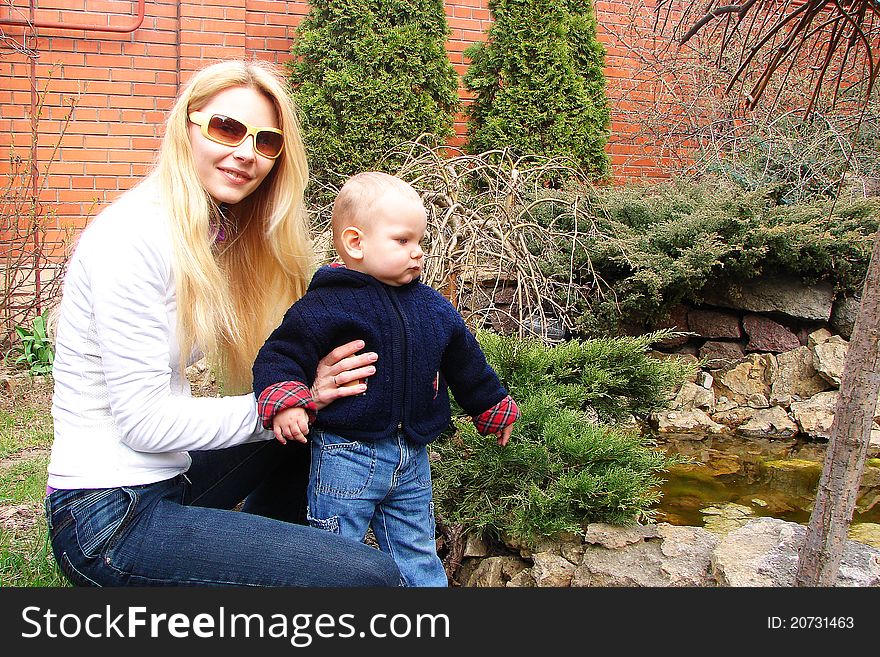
[422, 343]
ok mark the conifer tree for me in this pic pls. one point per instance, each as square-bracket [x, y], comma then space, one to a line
[369, 75]
[539, 83]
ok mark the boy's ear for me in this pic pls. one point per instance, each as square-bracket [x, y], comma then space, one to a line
[350, 242]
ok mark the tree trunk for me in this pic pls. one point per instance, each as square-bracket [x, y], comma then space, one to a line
[848, 445]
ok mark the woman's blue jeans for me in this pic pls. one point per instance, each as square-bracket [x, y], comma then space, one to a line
[183, 531]
[384, 485]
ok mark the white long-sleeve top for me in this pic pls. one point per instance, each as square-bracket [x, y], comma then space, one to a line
[122, 407]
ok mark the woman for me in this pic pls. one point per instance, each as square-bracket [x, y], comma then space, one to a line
[202, 257]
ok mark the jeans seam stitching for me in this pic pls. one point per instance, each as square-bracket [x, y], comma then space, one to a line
[66, 557]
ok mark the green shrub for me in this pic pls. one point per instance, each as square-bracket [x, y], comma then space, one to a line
[652, 247]
[563, 467]
[368, 76]
[539, 83]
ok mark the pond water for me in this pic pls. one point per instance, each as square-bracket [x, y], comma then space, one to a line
[752, 477]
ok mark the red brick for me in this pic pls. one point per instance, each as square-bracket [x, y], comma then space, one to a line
[123, 84]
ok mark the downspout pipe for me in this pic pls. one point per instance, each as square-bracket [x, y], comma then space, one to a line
[58, 25]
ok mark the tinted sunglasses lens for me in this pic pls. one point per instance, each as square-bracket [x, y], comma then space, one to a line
[269, 143]
[226, 131]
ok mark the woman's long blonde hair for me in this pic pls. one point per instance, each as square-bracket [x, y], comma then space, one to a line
[231, 295]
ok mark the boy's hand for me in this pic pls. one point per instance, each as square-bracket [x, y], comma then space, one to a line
[291, 423]
[504, 435]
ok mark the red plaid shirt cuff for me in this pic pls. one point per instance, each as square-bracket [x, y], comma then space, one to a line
[496, 418]
[286, 394]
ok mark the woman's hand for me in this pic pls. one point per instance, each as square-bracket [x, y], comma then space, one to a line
[341, 373]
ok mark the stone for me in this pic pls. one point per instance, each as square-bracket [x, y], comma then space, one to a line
[871, 474]
[758, 400]
[723, 404]
[830, 357]
[677, 319]
[764, 552]
[743, 380]
[691, 396]
[735, 416]
[705, 380]
[782, 400]
[781, 294]
[522, 580]
[795, 378]
[771, 422]
[496, 571]
[843, 315]
[717, 354]
[768, 335]
[714, 324]
[818, 337]
[503, 296]
[475, 546]
[466, 569]
[552, 570]
[615, 536]
[693, 420]
[815, 415]
[673, 556]
[571, 547]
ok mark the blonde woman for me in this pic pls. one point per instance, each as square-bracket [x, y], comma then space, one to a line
[202, 257]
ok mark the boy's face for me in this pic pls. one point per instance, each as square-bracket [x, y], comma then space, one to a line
[390, 239]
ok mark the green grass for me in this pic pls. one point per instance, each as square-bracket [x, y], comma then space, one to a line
[24, 429]
[25, 438]
[26, 559]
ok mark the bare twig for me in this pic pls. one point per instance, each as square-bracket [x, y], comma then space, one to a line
[832, 35]
[493, 226]
[31, 269]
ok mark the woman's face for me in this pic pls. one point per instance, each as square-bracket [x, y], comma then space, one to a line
[231, 173]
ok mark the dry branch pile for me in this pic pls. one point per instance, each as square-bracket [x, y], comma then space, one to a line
[493, 222]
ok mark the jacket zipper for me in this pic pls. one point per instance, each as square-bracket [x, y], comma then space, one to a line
[403, 352]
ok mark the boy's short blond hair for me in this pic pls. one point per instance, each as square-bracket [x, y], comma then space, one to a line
[357, 196]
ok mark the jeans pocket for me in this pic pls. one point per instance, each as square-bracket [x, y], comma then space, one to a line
[98, 516]
[342, 468]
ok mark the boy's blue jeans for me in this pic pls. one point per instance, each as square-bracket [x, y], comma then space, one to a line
[384, 485]
[181, 531]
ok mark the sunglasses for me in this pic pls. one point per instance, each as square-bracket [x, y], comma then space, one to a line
[268, 142]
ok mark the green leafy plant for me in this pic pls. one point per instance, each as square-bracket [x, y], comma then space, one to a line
[368, 76]
[568, 463]
[539, 83]
[35, 353]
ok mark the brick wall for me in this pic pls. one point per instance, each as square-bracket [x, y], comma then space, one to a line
[123, 83]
